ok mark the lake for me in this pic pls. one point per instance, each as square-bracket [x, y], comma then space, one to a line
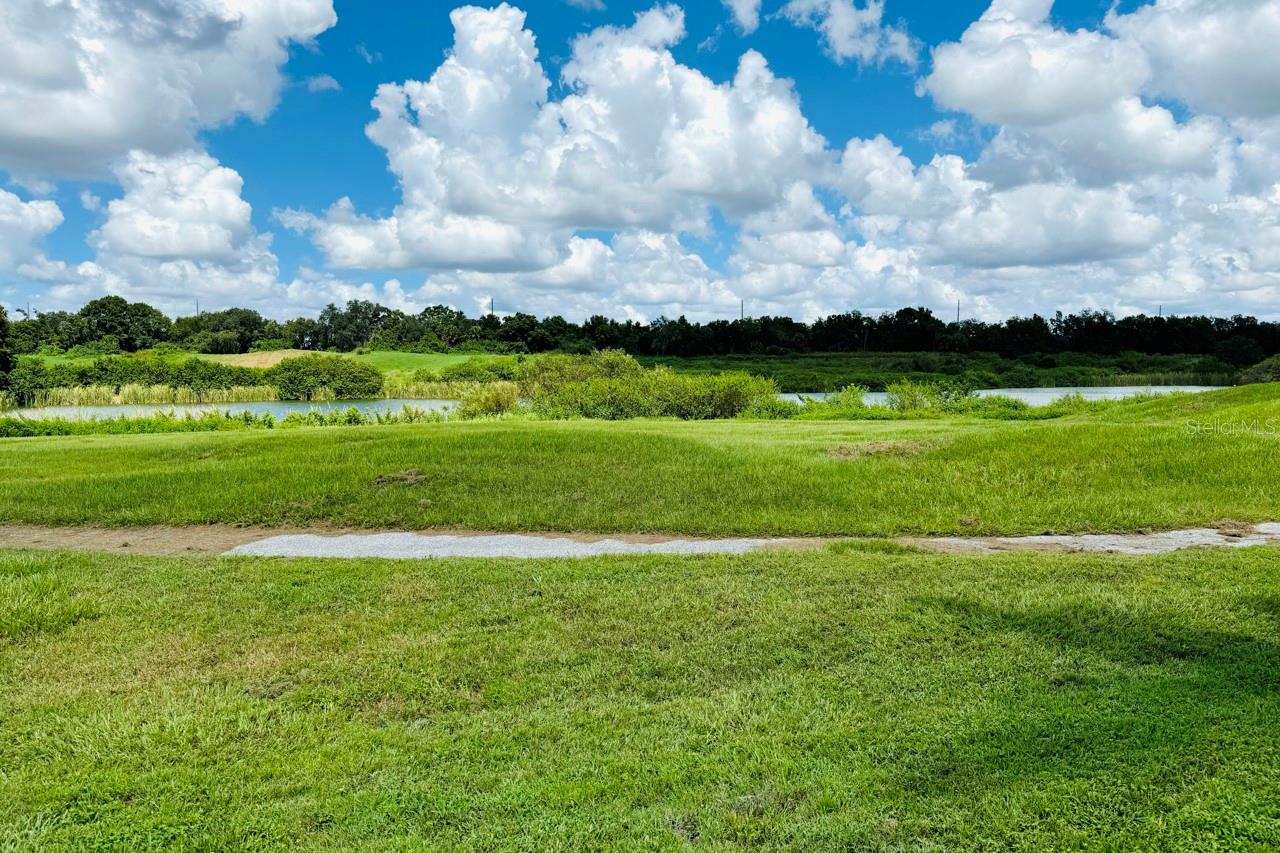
[1045, 396]
[278, 410]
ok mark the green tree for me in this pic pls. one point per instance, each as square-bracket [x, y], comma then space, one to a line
[6, 350]
[135, 325]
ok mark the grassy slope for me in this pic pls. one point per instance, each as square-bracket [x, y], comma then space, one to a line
[819, 700]
[1135, 466]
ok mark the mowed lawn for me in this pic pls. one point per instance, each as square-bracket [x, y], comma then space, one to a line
[1148, 465]
[825, 700]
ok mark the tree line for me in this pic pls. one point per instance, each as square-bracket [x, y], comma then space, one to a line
[112, 324]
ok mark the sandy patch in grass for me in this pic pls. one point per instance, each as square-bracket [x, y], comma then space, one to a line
[156, 541]
[864, 449]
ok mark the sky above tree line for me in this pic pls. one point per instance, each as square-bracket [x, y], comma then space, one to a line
[575, 157]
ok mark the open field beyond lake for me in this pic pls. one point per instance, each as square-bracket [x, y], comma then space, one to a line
[821, 700]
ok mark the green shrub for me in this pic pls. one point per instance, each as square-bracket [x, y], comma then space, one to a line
[547, 373]
[1266, 371]
[772, 409]
[303, 378]
[658, 393]
[908, 396]
[491, 400]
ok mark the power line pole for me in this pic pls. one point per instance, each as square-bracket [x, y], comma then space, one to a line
[742, 310]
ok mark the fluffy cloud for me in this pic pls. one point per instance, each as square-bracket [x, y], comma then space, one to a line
[1123, 166]
[181, 233]
[86, 81]
[853, 32]
[495, 176]
[746, 14]
[1216, 57]
[1067, 103]
[22, 225]
[182, 206]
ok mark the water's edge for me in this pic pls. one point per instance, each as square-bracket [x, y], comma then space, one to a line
[1030, 396]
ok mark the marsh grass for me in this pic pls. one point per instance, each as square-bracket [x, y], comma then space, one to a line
[823, 700]
[151, 395]
[408, 388]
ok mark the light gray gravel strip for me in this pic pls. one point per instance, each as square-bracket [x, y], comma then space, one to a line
[418, 546]
[1108, 543]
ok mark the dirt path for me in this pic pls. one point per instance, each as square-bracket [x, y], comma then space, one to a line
[228, 540]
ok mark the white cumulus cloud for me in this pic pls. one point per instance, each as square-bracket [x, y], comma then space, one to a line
[84, 82]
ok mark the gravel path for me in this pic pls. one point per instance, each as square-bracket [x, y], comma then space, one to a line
[415, 546]
[209, 540]
[1239, 536]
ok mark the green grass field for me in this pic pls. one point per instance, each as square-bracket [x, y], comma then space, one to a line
[859, 696]
[832, 700]
[1141, 465]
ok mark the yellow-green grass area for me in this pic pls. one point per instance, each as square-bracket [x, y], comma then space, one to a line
[1158, 464]
[824, 700]
[388, 362]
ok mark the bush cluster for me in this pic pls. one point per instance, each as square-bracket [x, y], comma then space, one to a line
[312, 377]
[1266, 371]
[32, 375]
[658, 393]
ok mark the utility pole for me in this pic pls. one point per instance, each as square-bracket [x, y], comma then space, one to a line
[491, 306]
[957, 312]
[742, 310]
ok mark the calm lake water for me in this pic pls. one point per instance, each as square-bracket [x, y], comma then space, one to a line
[1045, 396]
[276, 410]
[1031, 396]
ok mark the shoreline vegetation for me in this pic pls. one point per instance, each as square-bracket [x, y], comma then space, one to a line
[162, 378]
[608, 386]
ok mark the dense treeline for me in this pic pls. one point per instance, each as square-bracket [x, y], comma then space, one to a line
[112, 324]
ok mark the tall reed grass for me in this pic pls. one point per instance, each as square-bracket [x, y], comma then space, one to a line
[209, 422]
[150, 395]
[7, 402]
[396, 388]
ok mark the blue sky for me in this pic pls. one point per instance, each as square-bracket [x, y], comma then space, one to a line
[301, 147]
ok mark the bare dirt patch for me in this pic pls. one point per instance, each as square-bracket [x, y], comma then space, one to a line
[157, 541]
[412, 477]
[862, 450]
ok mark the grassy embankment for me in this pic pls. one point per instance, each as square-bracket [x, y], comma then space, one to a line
[818, 700]
[1141, 464]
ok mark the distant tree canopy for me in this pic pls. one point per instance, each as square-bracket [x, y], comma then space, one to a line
[114, 324]
[6, 350]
